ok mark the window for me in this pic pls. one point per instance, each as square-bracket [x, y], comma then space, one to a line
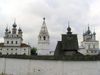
[7, 42]
[1, 49]
[11, 42]
[16, 49]
[16, 42]
[7, 53]
[7, 49]
[24, 49]
[11, 49]
[95, 51]
[44, 38]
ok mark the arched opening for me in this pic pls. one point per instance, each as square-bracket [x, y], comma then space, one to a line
[44, 38]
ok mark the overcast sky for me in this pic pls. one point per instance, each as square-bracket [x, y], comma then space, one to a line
[29, 16]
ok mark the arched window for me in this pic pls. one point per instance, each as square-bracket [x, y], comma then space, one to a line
[11, 42]
[7, 42]
[16, 42]
[44, 38]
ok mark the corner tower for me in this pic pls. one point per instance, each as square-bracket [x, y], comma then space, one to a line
[43, 40]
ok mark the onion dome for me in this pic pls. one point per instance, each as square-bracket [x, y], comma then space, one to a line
[9, 31]
[6, 29]
[69, 29]
[83, 34]
[88, 31]
[19, 30]
[94, 33]
[14, 25]
[44, 18]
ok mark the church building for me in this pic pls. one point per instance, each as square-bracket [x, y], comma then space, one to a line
[43, 40]
[89, 45]
[13, 42]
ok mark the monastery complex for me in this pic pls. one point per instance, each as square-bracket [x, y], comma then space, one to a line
[13, 44]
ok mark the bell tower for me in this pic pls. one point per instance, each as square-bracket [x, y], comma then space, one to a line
[43, 40]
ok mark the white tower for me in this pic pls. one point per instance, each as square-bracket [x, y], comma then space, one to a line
[43, 40]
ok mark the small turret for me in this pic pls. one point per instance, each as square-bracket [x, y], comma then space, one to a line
[69, 30]
[14, 28]
[6, 29]
[83, 36]
[20, 32]
[94, 35]
[14, 25]
[6, 32]
[88, 30]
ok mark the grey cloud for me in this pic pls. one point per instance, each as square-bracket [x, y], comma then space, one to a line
[29, 14]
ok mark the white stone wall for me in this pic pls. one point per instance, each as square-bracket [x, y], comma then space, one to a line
[85, 44]
[43, 48]
[88, 52]
[12, 66]
[83, 51]
[14, 50]
[19, 41]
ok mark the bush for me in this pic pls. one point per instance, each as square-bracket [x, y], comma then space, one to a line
[33, 51]
[24, 54]
[0, 53]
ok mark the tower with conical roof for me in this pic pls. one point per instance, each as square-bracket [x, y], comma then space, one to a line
[43, 40]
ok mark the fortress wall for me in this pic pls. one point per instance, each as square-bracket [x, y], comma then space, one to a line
[14, 66]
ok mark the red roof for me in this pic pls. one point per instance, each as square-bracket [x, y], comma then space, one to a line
[22, 45]
[1, 44]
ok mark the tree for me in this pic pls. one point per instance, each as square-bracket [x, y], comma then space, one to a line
[0, 53]
[33, 51]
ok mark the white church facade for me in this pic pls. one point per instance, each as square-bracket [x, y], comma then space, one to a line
[89, 45]
[43, 40]
[13, 43]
